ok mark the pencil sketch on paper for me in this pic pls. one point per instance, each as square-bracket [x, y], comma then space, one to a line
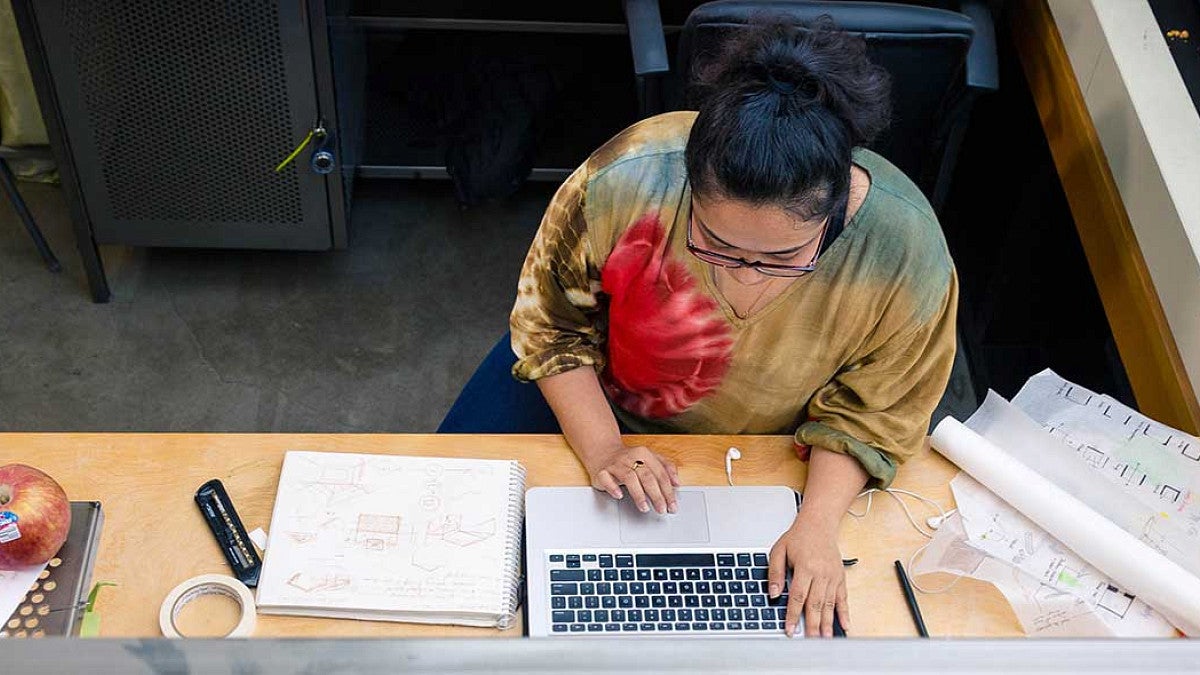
[379, 528]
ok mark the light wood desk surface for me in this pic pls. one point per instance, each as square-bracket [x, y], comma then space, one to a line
[154, 537]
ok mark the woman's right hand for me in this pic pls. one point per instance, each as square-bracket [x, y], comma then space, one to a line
[650, 478]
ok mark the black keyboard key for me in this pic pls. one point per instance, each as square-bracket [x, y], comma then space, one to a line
[587, 588]
[667, 614]
[725, 573]
[717, 625]
[741, 573]
[629, 627]
[654, 588]
[699, 625]
[665, 626]
[751, 614]
[563, 616]
[574, 563]
[578, 628]
[735, 587]
[743, 559]
[600, 616]
[675, 560]
[591, 602]
[733, 625]
[686, 587]
[735, 614]
[685, 615]
[674, 601]
[566, 575]
[606, 560]
[760, 560]
[617, 615]
[767, 613]
[564, 589]
[693, 574]
[645, 575]
[593, 575]
[572, 556]
[642, 601]
[779, 601]
[718, 614]
[660, 574]
[556, 557]
[604, 588]
[725, 559]
[595, 628]
[720, 587]
[759, 573]
[628, 575]
[651, 614]
[559, 628]
[708, 573]
[683, 626]
[646, 627]
[637, 588]
[676, 575]
[691, 601]
[635, 615]
[589, 557]
[708, 600]
[751, 625]
[702, 615]
[612, 627]
[625, 601]
[558, 602]
[620, 588]
[725, 601]
[575, 602]
[583, 615]
[704, 587]
[741, 601]
[624, 561]
[611, 575]
[608, 601]
[670, 587]
[658, 601]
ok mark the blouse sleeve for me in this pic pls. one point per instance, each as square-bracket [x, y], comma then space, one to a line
[877, 408]
[554, 321]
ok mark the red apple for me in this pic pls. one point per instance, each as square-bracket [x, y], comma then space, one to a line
[35, 516]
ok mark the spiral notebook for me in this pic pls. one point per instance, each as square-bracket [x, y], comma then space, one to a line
[389, 538]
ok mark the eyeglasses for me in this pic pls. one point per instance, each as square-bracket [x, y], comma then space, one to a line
[769, 269]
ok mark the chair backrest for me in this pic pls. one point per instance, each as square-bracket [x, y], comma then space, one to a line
[924, 49]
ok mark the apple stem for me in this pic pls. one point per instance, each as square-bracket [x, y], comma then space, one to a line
[5, 494]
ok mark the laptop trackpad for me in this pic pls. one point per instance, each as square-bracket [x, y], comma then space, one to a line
[689, 526]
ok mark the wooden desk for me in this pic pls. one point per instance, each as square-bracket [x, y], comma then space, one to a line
[154, 537]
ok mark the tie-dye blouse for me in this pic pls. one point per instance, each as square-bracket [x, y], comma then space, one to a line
[852, 357]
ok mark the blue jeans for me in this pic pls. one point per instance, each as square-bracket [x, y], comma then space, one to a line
[494, 402]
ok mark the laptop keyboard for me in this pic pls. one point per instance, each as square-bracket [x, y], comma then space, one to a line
[662, 593]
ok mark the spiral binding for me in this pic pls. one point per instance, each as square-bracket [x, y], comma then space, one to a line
[512, 545]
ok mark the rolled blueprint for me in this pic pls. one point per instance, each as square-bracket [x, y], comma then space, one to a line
[1141, 570]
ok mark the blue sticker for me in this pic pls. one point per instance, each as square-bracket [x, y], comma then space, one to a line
[8, 518]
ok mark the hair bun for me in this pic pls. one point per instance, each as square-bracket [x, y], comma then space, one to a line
[793, 81]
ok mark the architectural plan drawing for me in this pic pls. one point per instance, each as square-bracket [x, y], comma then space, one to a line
[378, 533]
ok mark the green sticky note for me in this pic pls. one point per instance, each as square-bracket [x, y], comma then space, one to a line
[90, 625]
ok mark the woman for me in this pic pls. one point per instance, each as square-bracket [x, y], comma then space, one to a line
[748, 269]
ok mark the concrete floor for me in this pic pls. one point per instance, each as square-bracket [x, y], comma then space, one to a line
[377, 338]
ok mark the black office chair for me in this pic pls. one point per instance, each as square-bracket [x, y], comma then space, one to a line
[940, 62]
[9, 183]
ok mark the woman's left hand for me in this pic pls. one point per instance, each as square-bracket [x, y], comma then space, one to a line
[818, 586]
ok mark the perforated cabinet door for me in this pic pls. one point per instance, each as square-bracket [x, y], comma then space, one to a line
[177, 113]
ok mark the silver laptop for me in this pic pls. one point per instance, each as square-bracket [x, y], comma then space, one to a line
[598, 567]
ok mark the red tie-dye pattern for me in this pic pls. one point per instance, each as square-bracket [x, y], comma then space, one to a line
[667, 344]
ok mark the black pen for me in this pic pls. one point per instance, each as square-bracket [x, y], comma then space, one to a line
[912, 600]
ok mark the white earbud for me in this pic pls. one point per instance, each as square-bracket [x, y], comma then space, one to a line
[934, 522]
[730, 455]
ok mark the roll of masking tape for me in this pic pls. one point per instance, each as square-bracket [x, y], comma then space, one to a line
[207, 584]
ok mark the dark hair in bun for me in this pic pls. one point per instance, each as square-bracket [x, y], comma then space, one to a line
[781, 108]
